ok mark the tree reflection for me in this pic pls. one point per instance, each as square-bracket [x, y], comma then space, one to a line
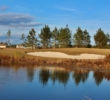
[16, 68]
[61, 76]
[98, 77]
[44, 76]
[107, 75]
[80, 76]
[30, 73]
[54, 76]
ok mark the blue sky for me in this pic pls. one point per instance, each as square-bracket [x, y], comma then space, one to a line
[20, 16]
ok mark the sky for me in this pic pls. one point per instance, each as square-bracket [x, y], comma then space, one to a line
[20, 16]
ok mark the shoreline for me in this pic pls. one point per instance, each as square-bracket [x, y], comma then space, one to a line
[6, 60]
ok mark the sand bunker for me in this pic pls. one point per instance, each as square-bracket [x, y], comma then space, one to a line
[63, 55]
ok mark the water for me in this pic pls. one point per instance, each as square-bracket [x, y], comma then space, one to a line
[27, 83]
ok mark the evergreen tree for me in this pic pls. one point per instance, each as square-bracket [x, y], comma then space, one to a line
[86, 38]
[8, 35]
[64, 37]
[45, 36]
[31, 38]
[100, 38]
[108, 38]
[55, 33]
[23, 38]
[78, 37]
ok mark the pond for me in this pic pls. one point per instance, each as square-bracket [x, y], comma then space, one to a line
[53, 83]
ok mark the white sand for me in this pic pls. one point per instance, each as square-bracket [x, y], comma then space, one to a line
[63, 55]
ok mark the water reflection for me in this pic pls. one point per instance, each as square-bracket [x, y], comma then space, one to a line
[61, 76]
[30, 73]
[98, 77]
[80, 76]
[42, 83]
[107, 75]
[44, 76]
[54, 75]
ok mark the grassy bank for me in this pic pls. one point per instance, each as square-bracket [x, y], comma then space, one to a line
[19, 57]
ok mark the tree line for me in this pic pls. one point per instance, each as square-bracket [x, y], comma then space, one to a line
[58, 38]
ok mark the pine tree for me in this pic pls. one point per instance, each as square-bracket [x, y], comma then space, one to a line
[55, 33]
[45, 36]
[31, 38]
[86, 38]
[78, 37]
[64, 37]
[23, 38]
[100, 38]
[8, 35]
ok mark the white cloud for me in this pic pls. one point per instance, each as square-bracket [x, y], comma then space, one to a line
[3, 8]
[18, 23]
[18, 20]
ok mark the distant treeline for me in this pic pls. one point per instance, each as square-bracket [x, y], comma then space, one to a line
[63, 38]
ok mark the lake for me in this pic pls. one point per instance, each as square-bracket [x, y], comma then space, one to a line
[53, 83]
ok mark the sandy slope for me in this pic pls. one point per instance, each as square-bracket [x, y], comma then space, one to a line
[63, 55]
